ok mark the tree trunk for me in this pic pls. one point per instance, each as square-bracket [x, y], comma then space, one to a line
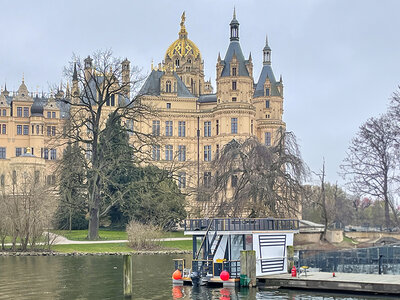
[93, 233]
[387, 215]
[70, 219]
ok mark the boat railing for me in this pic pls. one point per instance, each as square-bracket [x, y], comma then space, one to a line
[206, 267]
[240, 224]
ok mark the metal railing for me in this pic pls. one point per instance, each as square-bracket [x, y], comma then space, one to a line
[240, 224]
[204, 267]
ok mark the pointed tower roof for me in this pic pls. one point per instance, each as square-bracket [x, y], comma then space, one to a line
[23, 93]
[234, 49]
[75, 75]
[266, 74]
[267, 47]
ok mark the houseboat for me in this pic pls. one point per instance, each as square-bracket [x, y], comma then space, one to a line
[217, 244]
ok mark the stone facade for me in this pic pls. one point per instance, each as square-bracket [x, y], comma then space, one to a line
[193, 122]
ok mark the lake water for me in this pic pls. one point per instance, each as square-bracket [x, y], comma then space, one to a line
[100, 277]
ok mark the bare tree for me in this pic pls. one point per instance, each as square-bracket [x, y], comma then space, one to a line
[322, 200]
[103, 87]
[370, 165]
[28, 210]
[255, 180]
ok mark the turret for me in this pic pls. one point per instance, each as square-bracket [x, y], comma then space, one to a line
[126, 76]
[234, 27]
[266, 53]
[88, 67]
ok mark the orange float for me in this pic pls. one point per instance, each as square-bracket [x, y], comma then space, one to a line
[177, 275]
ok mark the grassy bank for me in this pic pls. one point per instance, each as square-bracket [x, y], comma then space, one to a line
[107, 235]
[117, 247]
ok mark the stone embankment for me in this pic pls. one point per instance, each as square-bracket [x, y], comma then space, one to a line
[53, 253]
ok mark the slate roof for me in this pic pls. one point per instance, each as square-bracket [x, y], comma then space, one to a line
[152, 85]
[266, 71]
[207, 98]
[234, 47]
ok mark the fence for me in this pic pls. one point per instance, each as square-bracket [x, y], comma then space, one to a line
[374, 260]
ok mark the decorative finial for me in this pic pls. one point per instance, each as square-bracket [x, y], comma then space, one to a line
[183, 18]
[266, 39]
[23, 77]
[152, 64]
[280, 79]
[234, 12]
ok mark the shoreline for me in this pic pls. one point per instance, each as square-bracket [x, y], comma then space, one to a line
[55, 253]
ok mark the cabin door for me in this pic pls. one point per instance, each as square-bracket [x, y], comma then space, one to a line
[271, 252]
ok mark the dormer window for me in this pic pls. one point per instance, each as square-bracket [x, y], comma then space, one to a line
[267, 92]
[168, 87]
[177, 63]
[234, 71]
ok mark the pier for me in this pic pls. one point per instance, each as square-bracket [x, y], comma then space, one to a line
[342, 282]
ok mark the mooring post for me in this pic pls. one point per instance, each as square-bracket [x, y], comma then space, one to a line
[127, 258]
[248, 268]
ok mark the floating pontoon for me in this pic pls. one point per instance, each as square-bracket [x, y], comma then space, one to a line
[217, 244]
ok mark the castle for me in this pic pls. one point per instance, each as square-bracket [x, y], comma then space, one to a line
[193, 123]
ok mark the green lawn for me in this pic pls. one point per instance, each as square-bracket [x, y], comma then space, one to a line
[119, 247]
[80, 235]
[180, 245]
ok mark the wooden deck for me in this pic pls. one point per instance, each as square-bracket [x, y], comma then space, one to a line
[343, 282]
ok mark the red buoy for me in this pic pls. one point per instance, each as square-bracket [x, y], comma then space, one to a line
[294, 271]
[177, 275]
[224, 275]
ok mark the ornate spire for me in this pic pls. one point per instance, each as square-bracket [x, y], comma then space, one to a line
[266, 52]
[234, 27]
[75, 75]
[183, 32]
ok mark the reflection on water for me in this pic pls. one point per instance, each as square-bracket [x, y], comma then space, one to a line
[100, 277]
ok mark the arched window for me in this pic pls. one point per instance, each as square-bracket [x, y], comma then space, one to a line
[168, 86]
[189, 61]
[177, 62]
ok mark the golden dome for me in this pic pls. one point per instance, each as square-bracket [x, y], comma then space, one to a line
[182, 46]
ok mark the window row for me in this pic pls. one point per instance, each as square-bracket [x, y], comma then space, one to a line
[169, 152]
[181, 153]
[25, 111]
[50, 179]
[24, 130]
[169, 131]
[207, 180]
[51, 115]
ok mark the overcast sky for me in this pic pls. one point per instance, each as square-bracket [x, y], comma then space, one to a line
[340, 60]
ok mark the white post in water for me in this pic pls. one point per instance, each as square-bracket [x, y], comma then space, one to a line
[127, 275]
